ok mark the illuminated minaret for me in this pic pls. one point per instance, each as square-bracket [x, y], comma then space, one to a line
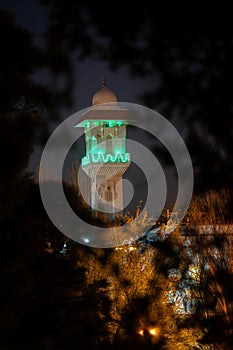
[106, 158]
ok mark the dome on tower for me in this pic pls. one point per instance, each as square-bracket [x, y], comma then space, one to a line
[104, 95]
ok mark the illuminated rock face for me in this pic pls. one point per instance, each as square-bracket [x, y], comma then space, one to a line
[106, 158]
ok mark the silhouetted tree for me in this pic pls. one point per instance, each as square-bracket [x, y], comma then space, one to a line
[45, 300]
[208, 245]
[24, 107]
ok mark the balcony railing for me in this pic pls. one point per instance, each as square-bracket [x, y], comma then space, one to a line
[106, 158]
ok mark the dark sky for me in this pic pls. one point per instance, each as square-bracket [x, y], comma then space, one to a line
[88, 72]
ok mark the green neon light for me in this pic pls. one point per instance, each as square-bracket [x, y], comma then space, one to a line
[96, 150]
[106, 123]
[111, 124]
[100, 157]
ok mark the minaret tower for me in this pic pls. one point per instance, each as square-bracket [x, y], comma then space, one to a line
[106, 158]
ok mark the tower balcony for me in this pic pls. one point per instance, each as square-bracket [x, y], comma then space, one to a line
[101, 157]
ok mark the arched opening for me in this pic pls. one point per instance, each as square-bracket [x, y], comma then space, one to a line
[109, 144]
[98, 138]
[93, 143]
[108, 194]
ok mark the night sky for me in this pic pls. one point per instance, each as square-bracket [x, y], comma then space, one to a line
[88, 75]
[88, 72]
[193, 94]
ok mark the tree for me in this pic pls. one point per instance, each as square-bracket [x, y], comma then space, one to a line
[44, 299]
[209, 279]
[24, 106]
[138, 284]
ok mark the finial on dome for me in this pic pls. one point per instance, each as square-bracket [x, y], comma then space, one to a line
[103, 95]
[103, 81]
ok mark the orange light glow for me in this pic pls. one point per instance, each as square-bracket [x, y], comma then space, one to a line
[141, 332]
[153, 331]
[132, 248]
